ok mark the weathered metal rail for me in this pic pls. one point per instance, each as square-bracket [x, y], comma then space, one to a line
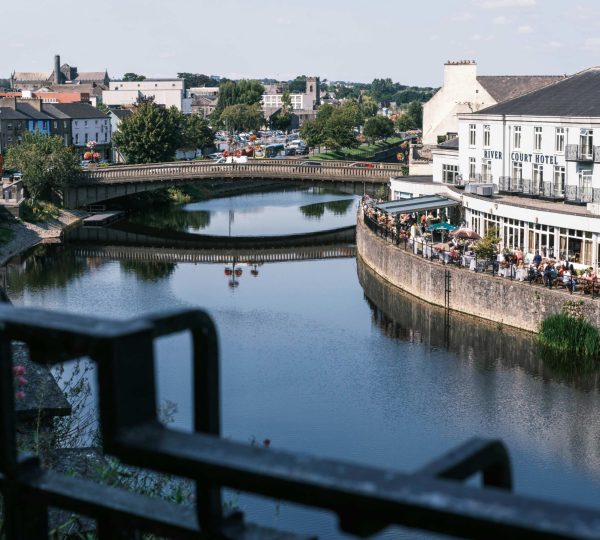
[366, 499]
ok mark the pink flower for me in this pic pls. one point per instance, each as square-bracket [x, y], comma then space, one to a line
[19, 370]
[20, 394]
[22, 381]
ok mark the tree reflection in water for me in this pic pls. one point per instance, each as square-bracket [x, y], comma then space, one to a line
[149, 271]
[317, 210]
[173, 218]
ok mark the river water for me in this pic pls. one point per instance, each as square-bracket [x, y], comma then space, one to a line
[324, 357]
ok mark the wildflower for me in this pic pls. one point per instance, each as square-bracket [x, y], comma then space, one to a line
[20, 394]
[19, 370]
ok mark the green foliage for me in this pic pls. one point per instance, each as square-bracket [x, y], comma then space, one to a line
[244, 92]
[242, 117]
[415, 111]
[45, 162]
[378, 127]
[196, 133]
[404, 122]
[333, 127]
[569, 339]
[384, 89]
[149, 271]
[38, 211]
[486, 247]
[150, 135]
[132, 77]
[5, 83]
[282, 119]
[298, 85]
[195, 80]
[368, 106]
[103, 108]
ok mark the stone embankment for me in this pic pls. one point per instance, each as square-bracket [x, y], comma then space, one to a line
[27, 234]
[513, 303]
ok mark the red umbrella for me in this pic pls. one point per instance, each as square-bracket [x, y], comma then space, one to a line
[466, 233]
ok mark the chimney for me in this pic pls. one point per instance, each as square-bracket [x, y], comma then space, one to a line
[57, 69]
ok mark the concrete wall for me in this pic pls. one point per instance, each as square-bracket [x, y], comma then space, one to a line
[493, 298]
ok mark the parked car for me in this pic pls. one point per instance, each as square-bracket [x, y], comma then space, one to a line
[216, 155]
[362, 165]
[311, 163]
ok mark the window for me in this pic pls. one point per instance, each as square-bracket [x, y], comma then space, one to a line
[449, 174]
[76, 122]
[517, 137]
[65, 124]
[538, 178]
[486, 170]
[85, 122]
[96, 136]
[106, 137]
[486, 136]
[471, 168]
[586, 141]
[559, 180]
[472, 135]
[537, 139]
[559, 145]
[517, 175]
[55, 124]
[76, 138]
[86, 137]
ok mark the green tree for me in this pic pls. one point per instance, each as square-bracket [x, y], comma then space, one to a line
[404, 122]
[103, 108]
[244, 92]
[378, 127]
[150, 135]
[338, 129]
[132, 77]
[312, 133]
[368, 106]
[196, 133]
[45, 163]
[194, 80]
[298, 85]
[242, 117]
[415, 111]
[486, 248]
[282, 119]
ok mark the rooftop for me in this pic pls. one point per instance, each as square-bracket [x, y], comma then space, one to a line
[505, 87]
[577, 95]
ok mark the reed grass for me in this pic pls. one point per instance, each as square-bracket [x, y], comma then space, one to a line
[569, 339]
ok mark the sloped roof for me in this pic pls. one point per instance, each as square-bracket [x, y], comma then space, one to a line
[121, 113]
[504, 87]
[577, 95]
[50, 109]
[32, 112]
[78, 110]
[452, 144]
[91, 76]
[6, 113]
[33, 76]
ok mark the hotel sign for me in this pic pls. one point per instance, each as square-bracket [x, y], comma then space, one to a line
[520, 156]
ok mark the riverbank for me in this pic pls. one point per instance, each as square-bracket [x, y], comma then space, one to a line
[27, 235]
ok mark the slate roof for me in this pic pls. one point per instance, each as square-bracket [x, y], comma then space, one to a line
[54, 112]
[505, 87]
[6, 113]
[33, 76]
[77, 110]
[91, 76]
[121, 113]
[577, 95]
[452, 144]
[32, 112]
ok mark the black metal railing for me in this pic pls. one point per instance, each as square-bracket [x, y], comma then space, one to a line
[579, 194]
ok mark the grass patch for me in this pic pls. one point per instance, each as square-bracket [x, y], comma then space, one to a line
[37, 211]
[363, 152]
[569, 341]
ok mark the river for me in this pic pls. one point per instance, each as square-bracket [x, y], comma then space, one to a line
[324, 357]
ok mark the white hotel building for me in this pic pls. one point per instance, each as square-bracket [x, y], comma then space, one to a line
[529, 166]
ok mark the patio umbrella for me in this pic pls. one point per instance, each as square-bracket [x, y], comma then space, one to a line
[466, 233]
[441, 227]
[441, 246]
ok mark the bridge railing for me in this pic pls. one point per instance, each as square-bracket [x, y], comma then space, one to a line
[289, 169]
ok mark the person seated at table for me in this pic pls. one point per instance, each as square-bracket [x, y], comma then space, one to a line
[549, 275]
[537, 259]
[568, 280]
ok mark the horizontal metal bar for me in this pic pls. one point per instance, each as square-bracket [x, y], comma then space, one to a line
[130, 510]
[379, 495]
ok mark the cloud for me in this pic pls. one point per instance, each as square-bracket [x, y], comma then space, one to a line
[466, 16]
[15, 45]
[501, 19]
[553, 45]
[494, 4]
[524, 29]
[479, 37]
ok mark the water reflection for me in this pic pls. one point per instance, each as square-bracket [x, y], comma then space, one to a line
[492, 346]
[317, 210]
[172, 218]
[149, 270]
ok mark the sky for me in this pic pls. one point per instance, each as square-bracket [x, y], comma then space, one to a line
[352, 40]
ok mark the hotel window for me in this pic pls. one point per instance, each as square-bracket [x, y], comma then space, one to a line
[586, 142]
[538, 178]
[472, 135]
[471, 168]
[559, 180]
[517, 175]
[537, 139]
[560, 140]
[486, 170]
[449, 174]
[76, 138]
[486, 136]
[517, 137]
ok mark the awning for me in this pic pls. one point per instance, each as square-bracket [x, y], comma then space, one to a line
[417, 204]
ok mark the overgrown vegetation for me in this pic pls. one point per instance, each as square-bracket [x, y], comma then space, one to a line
[36, 211]
[568, 339]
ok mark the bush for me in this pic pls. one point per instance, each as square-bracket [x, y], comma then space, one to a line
[36, 211]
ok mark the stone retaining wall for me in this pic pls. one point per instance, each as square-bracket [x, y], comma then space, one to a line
[513, 303]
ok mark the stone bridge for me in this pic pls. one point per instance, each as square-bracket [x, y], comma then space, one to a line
[103, 184]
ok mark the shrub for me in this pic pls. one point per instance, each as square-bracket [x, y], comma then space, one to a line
[568, 339]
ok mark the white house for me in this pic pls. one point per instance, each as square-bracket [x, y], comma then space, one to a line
[540, 157]
[167, 92]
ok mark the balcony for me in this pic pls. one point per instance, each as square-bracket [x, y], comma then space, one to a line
[508, 184]
[531, 188]
[551, 191]
[581, 194]
[577, 152]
